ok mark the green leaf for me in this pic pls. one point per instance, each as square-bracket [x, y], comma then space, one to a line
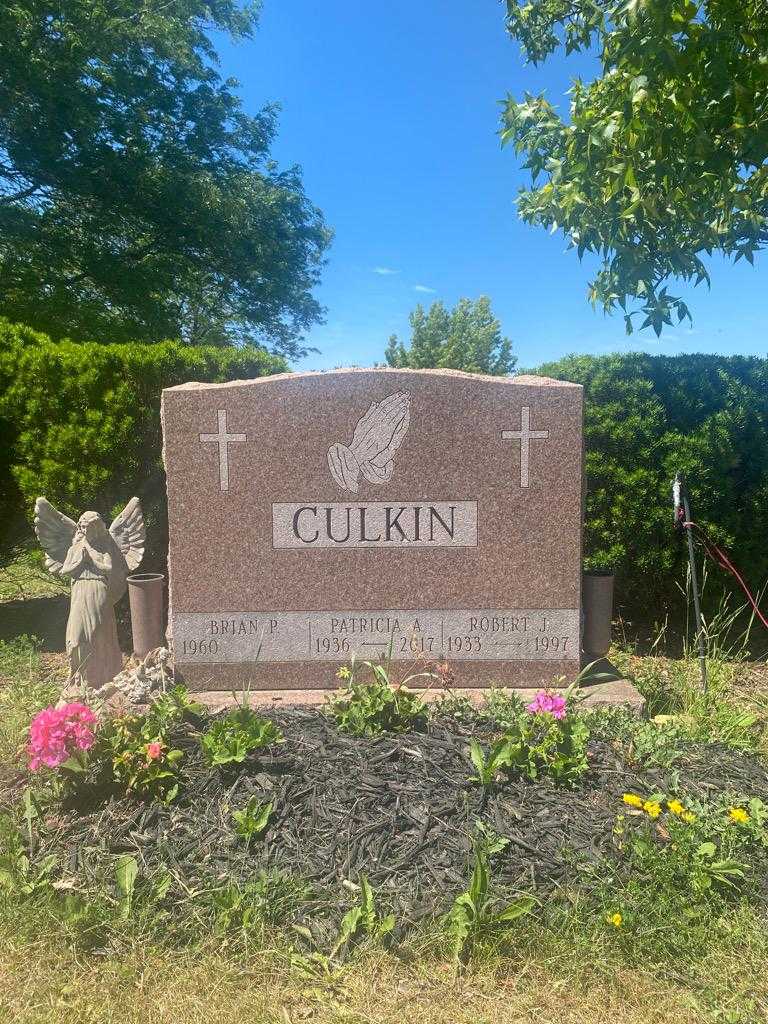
[161, 885]
[253, 819]
[386, 924]
[8, 879]
[126, 873]
[478, 758]
[521, 906]
[349, 924]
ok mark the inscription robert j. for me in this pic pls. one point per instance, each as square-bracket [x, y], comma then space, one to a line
[374, 524]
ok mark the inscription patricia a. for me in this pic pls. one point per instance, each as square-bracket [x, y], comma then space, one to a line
[442, 524]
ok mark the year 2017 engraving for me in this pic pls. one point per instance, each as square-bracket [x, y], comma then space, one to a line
[452, 635]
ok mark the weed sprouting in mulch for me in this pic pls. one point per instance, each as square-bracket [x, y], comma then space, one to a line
[398, 810]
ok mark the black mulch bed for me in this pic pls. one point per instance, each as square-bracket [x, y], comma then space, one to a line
[398, 809]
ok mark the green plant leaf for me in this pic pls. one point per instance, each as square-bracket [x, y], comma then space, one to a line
[126, 873]
[521, 906]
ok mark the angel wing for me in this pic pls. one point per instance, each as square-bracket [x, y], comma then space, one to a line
[55, 532]
[129, 533]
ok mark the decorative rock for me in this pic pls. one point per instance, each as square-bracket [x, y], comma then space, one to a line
[142, 678]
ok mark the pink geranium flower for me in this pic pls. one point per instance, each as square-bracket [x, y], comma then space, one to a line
[154, 751]
[56, 734]
[546, 703]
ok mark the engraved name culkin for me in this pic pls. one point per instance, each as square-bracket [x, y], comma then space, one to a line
[394, 524]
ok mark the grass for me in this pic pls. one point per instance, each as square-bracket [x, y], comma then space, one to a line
[26, 685]
[566, 975]
[568, 965]
[733, 711]
[25, 577]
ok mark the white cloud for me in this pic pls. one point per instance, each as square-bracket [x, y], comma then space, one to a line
[423, 288]
[385, 271]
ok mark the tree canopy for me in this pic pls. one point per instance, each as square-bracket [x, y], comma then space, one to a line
[663, 159]
[138, 200]
[467, 337]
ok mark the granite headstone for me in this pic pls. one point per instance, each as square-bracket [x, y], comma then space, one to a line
[317, 515]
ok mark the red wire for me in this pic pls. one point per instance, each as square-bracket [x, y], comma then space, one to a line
[724, 562]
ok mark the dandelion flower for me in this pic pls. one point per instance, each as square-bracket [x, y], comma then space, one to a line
[632, 800]
[738, 815]
[652, 808]
[615, 919]
[676, 807]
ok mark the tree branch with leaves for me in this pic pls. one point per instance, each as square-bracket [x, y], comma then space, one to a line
[132, 182]
[663, 158]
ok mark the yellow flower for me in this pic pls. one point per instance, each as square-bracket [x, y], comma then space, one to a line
[343, 673]
[738, 815]
[615, 919]
[632, 800]
[676, 807]
[652, 808]
[688, 817]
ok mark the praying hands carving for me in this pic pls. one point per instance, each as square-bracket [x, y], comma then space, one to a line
[378, 435]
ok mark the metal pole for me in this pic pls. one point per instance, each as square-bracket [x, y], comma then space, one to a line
[700, 640]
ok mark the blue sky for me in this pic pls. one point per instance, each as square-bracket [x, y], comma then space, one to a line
[392, 112]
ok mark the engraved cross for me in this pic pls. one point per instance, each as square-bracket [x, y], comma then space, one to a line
[524, 435]
[223, 439]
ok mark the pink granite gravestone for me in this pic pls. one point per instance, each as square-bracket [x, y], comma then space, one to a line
[314, 516]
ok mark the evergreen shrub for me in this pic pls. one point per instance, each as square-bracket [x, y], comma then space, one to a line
[80, 423]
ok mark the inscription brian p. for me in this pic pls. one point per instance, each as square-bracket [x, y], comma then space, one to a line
[441, 524]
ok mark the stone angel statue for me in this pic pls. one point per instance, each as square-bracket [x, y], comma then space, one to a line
[97, 560]
[377, 437]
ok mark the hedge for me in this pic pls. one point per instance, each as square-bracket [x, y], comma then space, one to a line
[648, 416]
[80, 423]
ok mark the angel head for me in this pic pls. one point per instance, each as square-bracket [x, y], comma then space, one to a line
[92, 527]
